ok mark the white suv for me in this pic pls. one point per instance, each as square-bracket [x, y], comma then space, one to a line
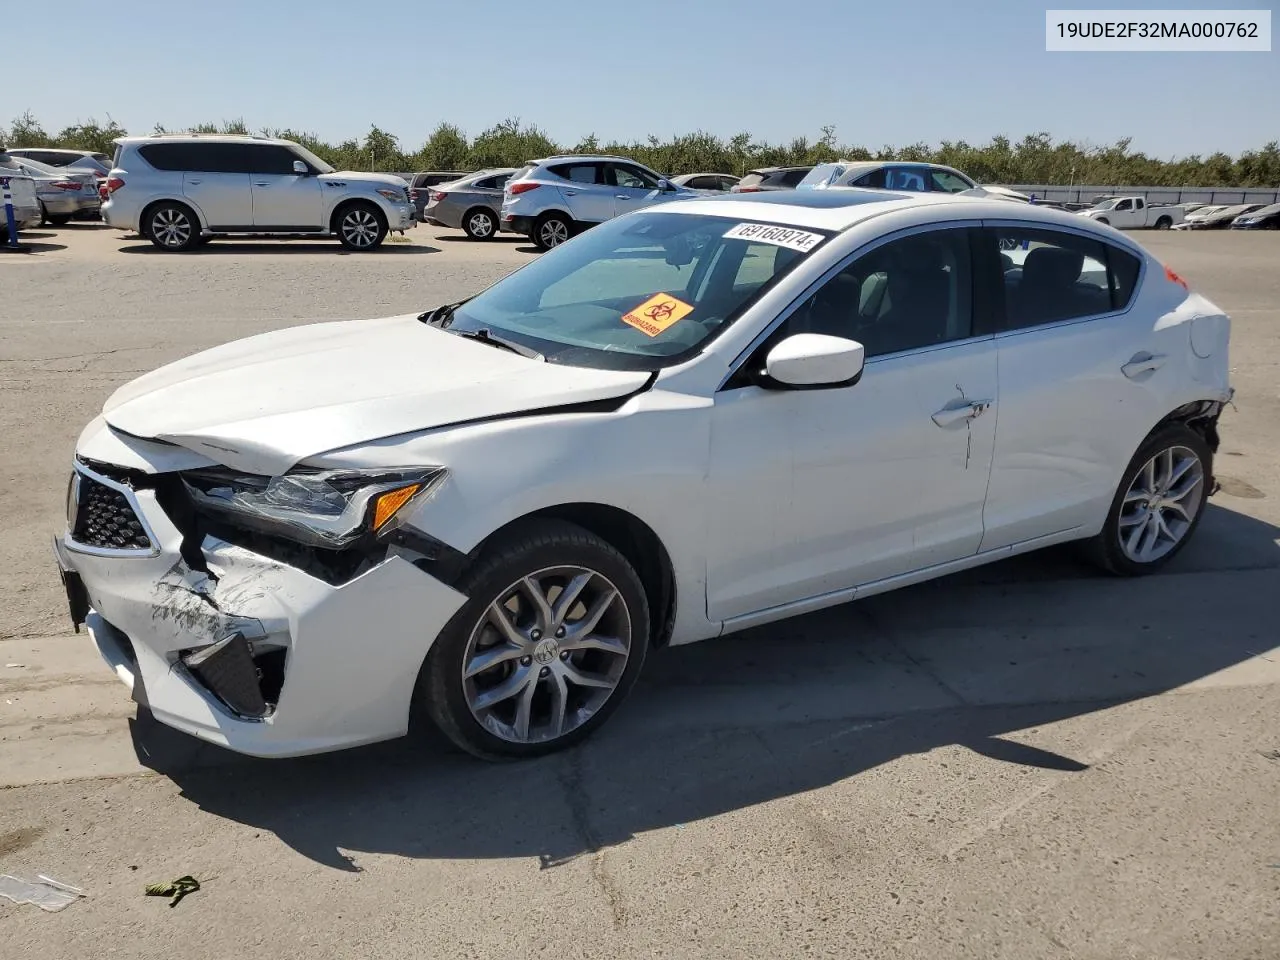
[550, 200]
[181, 191]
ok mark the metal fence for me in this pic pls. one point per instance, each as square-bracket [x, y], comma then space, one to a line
[1086, 194]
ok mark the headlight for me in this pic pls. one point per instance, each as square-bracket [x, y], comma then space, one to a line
[395, 196]
[322, 508]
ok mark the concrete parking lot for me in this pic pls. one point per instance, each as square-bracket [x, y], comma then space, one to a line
[1024, 761]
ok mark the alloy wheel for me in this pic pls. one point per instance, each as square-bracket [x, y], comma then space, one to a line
[481, 225]
[547, 654]
[360, 228]
[171, 227]
[1161, 504]
[553, 233]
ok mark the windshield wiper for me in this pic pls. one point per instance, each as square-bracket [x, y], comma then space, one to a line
[440, 316]
[484, 335]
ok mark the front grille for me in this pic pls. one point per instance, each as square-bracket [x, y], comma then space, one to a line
[105, 519]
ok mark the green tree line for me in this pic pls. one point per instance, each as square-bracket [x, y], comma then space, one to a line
[1035, 159]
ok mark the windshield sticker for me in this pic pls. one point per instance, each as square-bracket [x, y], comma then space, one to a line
[800, 240]
[657, 313]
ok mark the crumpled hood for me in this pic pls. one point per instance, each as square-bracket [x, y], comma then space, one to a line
[265, 403]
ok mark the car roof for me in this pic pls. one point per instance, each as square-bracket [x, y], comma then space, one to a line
[78, 153]
[562, 157]
[204, 138]
[839, 208]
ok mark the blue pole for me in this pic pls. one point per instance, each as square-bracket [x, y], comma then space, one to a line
[8, 213]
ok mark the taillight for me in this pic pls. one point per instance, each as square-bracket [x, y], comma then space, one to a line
[1174, 278]
[67, 184]
[103, 192]
[114, 184]
[524, 186]
[413, 193]
[437, 195]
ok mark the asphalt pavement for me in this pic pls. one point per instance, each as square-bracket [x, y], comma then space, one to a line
[1023, 761]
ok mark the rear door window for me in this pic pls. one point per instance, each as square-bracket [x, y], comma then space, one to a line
[578, 172]
[873, 180]
[792, 178]
[1050, 276]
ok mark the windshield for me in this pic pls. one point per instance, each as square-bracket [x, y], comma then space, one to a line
[639, 292]
[1105, 204]
[312, 159]
[823, 175]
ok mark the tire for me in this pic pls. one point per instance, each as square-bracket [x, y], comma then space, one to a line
[1164, 223]
[550, 230]
[480, 224]
[1114, 548]
[59, 219]
[172, 227]
[482, 714]
[360, 226]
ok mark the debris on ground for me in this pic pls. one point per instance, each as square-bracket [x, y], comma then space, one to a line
[175, 889]
[48, 894]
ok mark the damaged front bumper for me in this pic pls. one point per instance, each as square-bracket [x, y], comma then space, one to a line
[255, 654]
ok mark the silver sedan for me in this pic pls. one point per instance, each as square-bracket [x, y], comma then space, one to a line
[470, 204]
[65, 194]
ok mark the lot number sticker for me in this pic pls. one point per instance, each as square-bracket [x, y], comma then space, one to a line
[801, 240]
[657, 313]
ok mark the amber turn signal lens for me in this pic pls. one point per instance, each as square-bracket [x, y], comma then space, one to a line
[388, 503]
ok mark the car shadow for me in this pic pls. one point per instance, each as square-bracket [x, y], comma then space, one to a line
[277, 245]
[499, 239]
[776, 711]
[33, 242]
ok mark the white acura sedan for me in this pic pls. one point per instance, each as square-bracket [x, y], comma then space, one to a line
[686, 421]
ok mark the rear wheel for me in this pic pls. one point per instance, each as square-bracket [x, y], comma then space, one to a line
[1164, 223]
[59, 219]
[480, 224]
[172, 226]
[361, 227]
[551, 230]
[1158, 504]
[549, 643]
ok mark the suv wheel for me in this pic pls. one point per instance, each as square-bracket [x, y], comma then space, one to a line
[480, 224]
[361, 226]
[551, 230]
[172, 226]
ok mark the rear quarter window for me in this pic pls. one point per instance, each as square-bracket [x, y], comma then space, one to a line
[1123, 269]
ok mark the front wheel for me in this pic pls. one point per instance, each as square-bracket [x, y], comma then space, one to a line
[1158, 504]
[551, 230]
[480, 224]
[361, 227]
[550, 642]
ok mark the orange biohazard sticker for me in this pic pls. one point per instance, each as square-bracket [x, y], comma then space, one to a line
[657, 313]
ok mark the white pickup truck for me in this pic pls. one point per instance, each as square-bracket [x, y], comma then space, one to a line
[1134, 213]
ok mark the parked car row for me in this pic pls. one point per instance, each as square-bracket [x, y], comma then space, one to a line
[1240, 216]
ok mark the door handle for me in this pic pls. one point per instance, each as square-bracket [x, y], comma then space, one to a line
[1142, 363]
[193, 181]
[621, 196]
[966, 410]
[261, 183]
[571, 193]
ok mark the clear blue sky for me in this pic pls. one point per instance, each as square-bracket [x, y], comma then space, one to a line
[881, 72]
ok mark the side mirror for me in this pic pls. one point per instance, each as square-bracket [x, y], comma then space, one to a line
[811, 361]
[300, 166]
[666, 186]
